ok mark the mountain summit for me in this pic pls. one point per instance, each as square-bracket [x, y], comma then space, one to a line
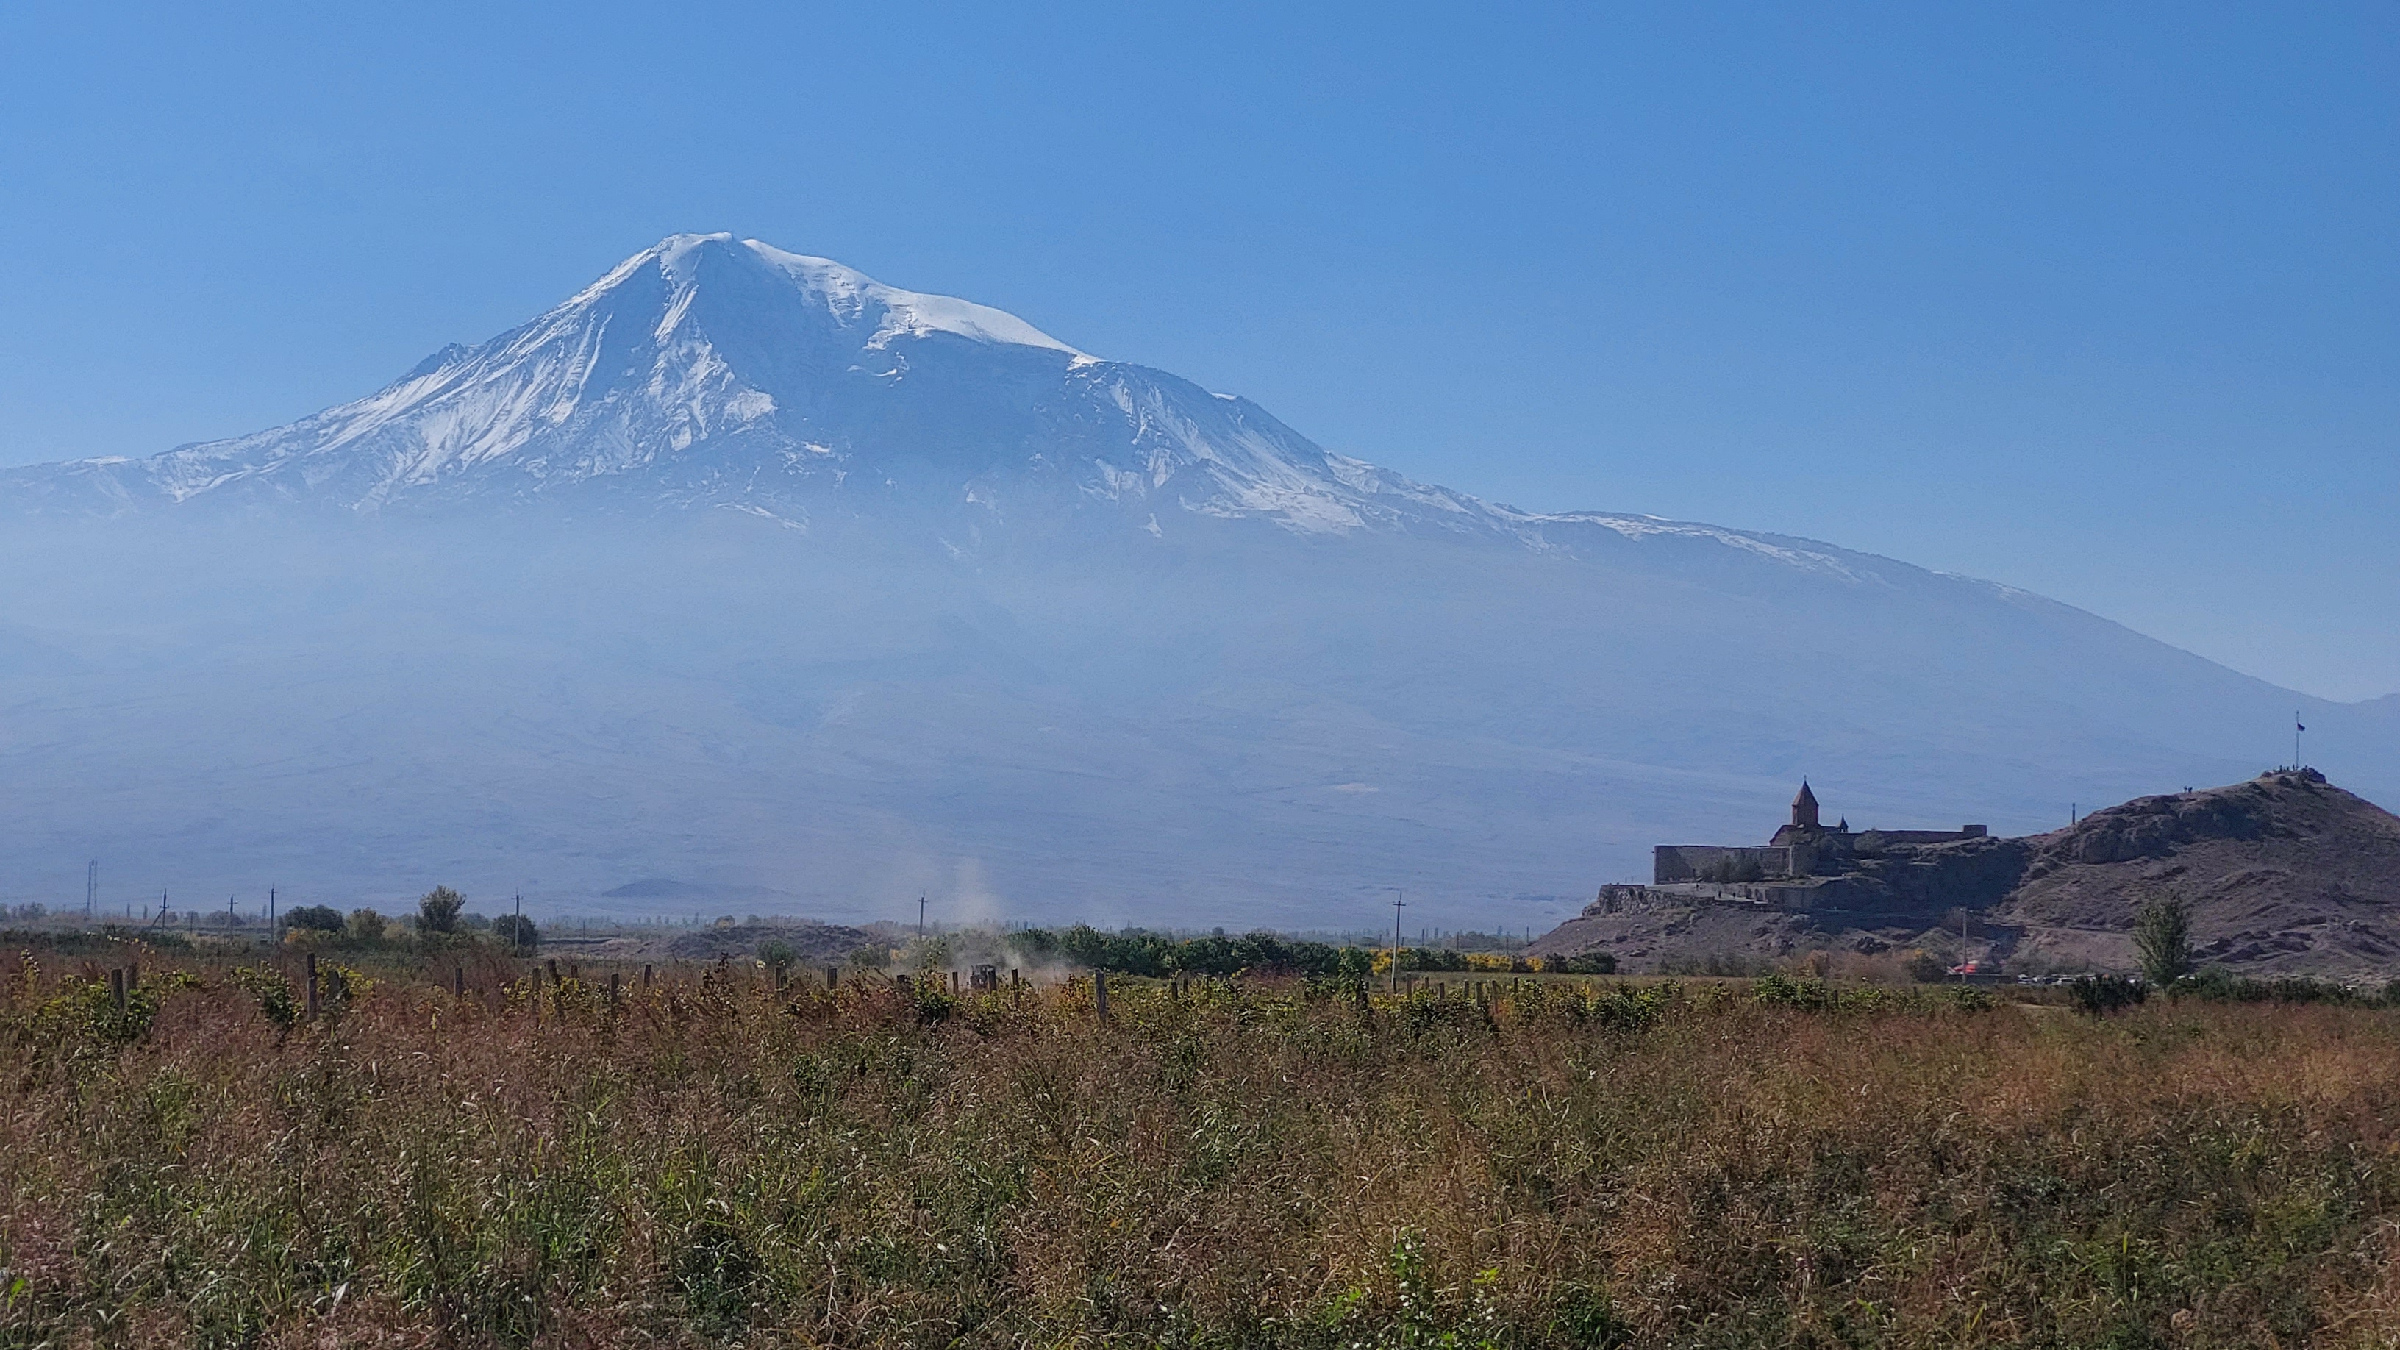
[711, 371]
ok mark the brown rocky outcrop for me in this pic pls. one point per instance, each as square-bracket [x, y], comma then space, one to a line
[2283, 874]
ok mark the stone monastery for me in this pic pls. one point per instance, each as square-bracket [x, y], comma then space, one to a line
[1803, 849]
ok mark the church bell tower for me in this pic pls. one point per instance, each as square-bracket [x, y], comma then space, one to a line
[1804, 809]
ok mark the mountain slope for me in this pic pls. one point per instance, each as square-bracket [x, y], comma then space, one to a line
[743, 570]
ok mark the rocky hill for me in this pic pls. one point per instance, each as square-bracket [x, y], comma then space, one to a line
[2283, 874]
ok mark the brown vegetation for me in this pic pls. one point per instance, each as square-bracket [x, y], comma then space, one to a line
[716, 1161]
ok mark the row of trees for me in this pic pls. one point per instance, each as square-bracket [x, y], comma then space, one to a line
[1141, 951]
[441, 916]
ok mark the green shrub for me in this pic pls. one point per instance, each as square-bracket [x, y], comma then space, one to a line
[271, 990]
[2162, 936]
[87, 1010]
[317, 918]
[340, 986]
[2100, 995]
[437, 910]
[517, 933]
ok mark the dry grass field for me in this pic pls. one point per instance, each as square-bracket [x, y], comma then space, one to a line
[716, 1162]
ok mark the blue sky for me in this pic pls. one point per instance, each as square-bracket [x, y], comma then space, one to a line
[2097, 300]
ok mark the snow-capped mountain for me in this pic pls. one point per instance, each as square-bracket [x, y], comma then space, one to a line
[712, 371]
[743, 569]
[707, 371]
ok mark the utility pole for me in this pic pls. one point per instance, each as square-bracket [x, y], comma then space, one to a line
[920, 918]
[2297, 728]
[91, 889]
[1399, 902]
[270, 915]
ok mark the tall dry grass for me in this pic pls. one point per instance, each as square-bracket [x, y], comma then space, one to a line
[714, 1163]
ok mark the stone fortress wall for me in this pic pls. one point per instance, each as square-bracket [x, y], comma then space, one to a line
[1671, 864]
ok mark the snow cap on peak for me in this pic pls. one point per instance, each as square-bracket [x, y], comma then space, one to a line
[848, 292]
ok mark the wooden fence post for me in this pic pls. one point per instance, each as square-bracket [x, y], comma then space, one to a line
[612, 988]
[458, 981]
[312, 985]
[116, 987]
[1100, 994]
[833, 978]
[645, 979]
